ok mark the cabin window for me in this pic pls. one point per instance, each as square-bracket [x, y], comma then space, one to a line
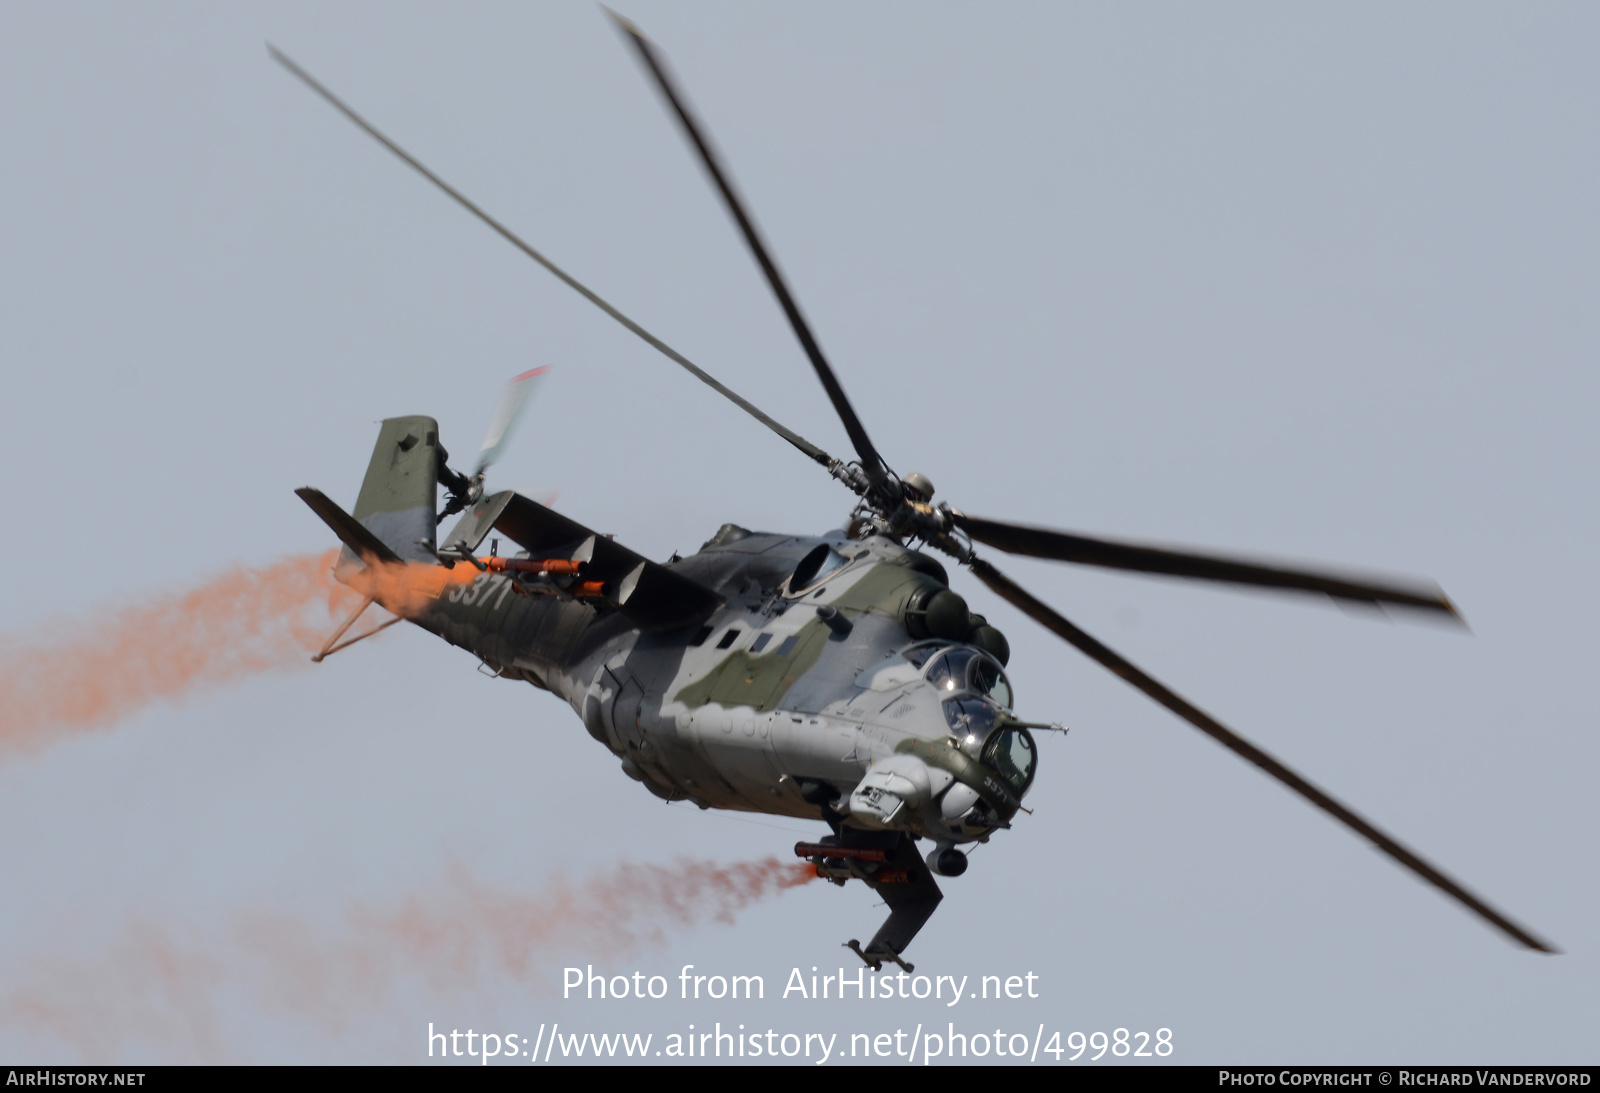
[787, 645]
[760, 643]
[700, 638]
[729, 638]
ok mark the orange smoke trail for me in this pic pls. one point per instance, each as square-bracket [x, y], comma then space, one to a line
[86, 674]
[75, 676]
[152, 992]
[405, 588]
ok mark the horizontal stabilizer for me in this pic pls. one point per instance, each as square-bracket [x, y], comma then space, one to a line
[361, 542]
[651, 594]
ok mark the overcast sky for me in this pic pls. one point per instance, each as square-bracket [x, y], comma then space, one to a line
[1310, 284]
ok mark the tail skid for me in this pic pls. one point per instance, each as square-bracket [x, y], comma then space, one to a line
[329, 648]
[359, 542]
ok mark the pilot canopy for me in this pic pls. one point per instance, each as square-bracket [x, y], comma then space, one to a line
[960, 669]
[974, 690]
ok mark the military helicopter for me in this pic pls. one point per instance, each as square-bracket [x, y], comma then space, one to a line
[832, 677]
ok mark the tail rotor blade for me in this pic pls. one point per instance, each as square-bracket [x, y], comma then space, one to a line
[506, 415]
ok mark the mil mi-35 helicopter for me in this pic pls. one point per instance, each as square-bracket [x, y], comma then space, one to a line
[833, 677]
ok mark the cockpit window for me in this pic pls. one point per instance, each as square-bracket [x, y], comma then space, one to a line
[960, 668]
[987, 679]
[1011, 753]
[970, 720]
[949, 671]
[1007, 751]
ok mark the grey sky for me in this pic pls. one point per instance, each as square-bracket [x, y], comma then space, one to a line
[1315, 284]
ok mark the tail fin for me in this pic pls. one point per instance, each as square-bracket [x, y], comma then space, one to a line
[399, 497]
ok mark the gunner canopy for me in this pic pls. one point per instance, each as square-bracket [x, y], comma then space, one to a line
[974, 690]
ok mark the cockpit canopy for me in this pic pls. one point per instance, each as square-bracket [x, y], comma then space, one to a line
[1011, 752]
[974, 689]
[1007, 750]
[961, 669]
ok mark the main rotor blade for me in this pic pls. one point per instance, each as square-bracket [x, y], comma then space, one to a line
[1108, 658]
[1063, 546]
[871, 461]
[810, 449]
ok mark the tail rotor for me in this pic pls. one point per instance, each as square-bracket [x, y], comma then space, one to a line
[464, 490]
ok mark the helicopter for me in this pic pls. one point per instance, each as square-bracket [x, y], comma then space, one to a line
[834, 677]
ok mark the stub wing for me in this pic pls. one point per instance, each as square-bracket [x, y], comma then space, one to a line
[650, 594]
